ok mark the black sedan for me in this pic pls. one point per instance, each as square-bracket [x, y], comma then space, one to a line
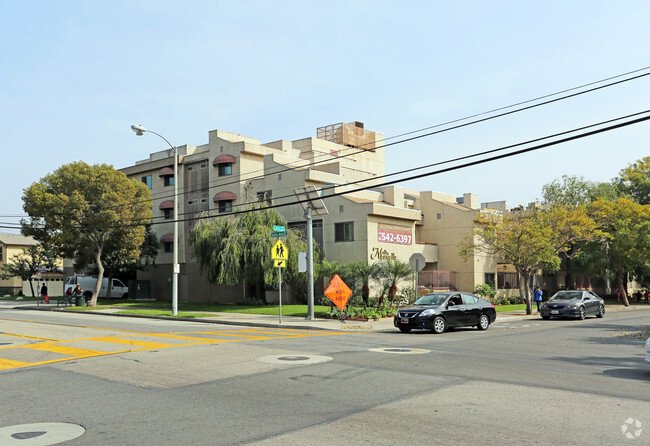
[439, 311]
[573, 303]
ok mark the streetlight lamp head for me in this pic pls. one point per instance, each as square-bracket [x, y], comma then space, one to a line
[138, 129]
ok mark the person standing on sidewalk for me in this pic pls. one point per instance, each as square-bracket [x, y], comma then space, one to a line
[44, 296]
[537, 297]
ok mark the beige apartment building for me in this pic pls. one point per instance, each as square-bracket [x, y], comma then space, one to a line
[365, 221]
[10, 246]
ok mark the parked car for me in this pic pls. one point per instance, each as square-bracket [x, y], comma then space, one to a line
[439, 311]
[573, 303]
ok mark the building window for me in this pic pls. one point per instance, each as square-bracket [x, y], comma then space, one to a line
[439, 216]
[1, 258]
[279, 177]
[193, 201]
[344, 232]
[225, 169]
[225, 206]
[168, 246]
[340, 208]
[265, 196]
[147, 180]
[489, 280]
[191, 168]
[168, 214]
[168, 180]
[204, 200]
[204, 165]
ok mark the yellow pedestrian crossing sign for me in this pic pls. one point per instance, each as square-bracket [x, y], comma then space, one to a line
[280, 263]
[279, 251]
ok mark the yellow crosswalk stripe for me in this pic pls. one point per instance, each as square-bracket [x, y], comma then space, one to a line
[10, 364]
[57, 346]
[132, 342]
[72, 351]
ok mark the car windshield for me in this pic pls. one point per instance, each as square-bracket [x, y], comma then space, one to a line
[432, 299]
[567, 295]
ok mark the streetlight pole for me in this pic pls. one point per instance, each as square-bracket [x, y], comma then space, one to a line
[139, 130]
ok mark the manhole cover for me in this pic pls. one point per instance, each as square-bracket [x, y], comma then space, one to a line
[401, 351]
[40, 433]
[293, 358]
[27, 435]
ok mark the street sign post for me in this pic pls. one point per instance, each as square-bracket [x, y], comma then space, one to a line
[417, 262]
[280, 255]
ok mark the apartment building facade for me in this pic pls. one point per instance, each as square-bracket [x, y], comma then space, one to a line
[365, 221]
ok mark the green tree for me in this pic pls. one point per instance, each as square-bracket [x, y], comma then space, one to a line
[635, 180]
[88, 212]
[530, 240]
[574, 191]
[26, 264]
[116, 265]
[625, 249]
[236, 249]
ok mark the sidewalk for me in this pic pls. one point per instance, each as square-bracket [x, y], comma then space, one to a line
[290, 322]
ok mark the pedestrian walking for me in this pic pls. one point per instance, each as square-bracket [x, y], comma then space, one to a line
[537, 297]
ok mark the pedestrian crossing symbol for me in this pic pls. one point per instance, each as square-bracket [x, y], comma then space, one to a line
[279, 251]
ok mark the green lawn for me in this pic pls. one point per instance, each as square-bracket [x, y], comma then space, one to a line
[273, 310]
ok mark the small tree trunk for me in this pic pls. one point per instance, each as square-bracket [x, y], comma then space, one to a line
[100, 278]
[31, 286]
[621, 276]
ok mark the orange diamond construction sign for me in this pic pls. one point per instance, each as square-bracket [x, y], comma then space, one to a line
[338, 292]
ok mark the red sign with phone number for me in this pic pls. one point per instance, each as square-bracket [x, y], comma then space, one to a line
[394, 234]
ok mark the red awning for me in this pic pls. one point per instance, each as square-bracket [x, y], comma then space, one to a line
[222, 159]
[166, 171]
[167, 238]
[224, 196]
[167, 204]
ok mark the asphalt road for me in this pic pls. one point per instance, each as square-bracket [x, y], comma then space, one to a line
[140, 382]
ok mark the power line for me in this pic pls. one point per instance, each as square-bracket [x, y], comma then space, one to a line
[460, 166]
[307, 164]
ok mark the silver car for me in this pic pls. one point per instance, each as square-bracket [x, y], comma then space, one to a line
[573, 303]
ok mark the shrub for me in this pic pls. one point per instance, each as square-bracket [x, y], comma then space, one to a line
[485, 291]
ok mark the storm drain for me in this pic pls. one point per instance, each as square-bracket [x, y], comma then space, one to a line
[294, 359]
[401, 351]
[40, 434]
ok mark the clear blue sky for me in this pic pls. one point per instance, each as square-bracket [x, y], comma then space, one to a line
[74, 75]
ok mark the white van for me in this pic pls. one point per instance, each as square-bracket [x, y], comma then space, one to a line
[87, 284]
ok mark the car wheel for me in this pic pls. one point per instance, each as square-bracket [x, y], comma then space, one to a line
[483, 322]
[404, 329]
[439, 325]
[601, 311]
[583, 313]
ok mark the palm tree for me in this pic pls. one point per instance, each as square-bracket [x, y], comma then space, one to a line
[362, 272]
[392, 272]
